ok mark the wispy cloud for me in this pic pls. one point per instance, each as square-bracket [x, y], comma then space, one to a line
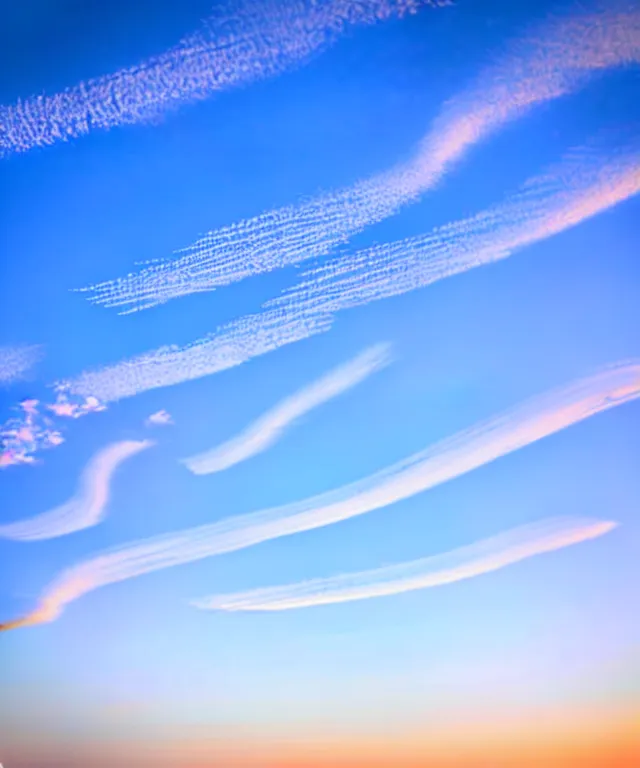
[582, 185]
[269, 428]
[463, 563]
[549, 62]
[231, 345]
[446, 460]
[260, 39]
[160, 418]
[16, 361]
[88, 504]
[587, 182]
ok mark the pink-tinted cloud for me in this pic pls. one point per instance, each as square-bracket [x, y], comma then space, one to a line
[446, 460]
[258, 39]
[466, 562]
[545, 64]
[582, 185]
[34, 428]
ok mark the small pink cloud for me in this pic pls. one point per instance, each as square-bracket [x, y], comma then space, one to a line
[30, 407]
[25, 434]
[64, 409]
[31, 430]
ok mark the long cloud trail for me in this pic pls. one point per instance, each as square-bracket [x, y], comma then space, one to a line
[262, 39]
[584, 184]
[550, 62]
[443, 461]
[231, 345]
[15, 361]
[269, 428]
[462, 563]
[88, 504]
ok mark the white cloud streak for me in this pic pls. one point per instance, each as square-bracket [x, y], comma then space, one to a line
[262, 39]
[550, 62]
[583, 185]
[231, 345]
[16, 361]
[443, 461]
[270, 427]
[87, 506]
[462, 563]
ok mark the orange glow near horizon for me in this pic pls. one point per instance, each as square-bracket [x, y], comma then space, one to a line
[558, 740]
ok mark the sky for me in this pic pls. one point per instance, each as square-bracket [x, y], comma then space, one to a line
[319, 381]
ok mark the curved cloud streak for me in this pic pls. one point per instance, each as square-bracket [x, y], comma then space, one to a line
[269, 428]
[553, 61]
[16, 361]
[581, 186]
[263, 39]
[446, 460]
[87, 506]
[463, 563]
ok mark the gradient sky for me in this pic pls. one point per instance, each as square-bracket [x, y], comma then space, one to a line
[547, 646]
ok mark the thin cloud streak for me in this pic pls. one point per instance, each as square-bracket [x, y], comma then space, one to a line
[550, 62]
[582, 185]
[232, 345]
[443, 461]
[17, 360]
[260, 40]
[462, 563]
[270, 427]
[87, 506]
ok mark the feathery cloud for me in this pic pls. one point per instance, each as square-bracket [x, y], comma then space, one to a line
[16, 361]
[269, 428]
[549, 62]
[462, 563]
[586, 183]
[467, 450]
[261, 39]
[582, 185]
[87, 506]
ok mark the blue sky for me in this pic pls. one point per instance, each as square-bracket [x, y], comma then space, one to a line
[554, 631]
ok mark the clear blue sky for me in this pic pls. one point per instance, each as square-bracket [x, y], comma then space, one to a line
[555, 631]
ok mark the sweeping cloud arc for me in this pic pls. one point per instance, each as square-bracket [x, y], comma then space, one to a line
[262, 39]
[266, 430]
[549, 62]
[581, 186]
[465, 451]
[585, 183]
[87, 506]
[466, 562]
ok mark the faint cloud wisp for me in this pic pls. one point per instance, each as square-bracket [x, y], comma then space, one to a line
[269, 427]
